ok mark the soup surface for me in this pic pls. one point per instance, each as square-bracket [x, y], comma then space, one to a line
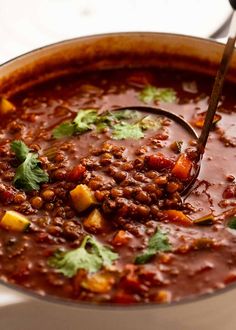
[90, 198]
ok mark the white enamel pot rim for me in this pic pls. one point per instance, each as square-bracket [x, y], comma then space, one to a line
[136, 49]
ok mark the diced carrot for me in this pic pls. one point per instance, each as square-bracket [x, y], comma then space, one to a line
[159, 162]
[122, 237]
[177, 217]
[182, 167]
[198, 121]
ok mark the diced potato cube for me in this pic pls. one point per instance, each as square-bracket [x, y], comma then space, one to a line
[98, 283]
[163, 296]
[82, 197]
[14, 221]
[6, 106]
[95, 221]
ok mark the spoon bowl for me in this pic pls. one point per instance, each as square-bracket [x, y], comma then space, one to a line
[201, 141]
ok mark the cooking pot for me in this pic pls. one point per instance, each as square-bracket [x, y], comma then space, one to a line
[20, 309]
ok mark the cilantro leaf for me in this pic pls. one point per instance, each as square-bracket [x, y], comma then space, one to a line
[127, 131]
[151, 93]
[63, 130]
[28, 174]
[158, 242]
[105, 253]
[84, 120]
[149, 122]
[232, 223]
[120, 129]
[82, 123]
[20, 149]
[116, 116]
[90, 256]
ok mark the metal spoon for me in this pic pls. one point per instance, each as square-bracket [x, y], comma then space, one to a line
[213, 103]
[215, 96]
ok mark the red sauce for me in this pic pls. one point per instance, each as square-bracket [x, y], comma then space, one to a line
[135, 184]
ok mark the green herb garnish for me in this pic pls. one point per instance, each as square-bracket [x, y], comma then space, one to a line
[176, 146]
[116, 116]
[90, 256]
[115, 121]
[158, 242]
[84, 120]
[135, 131]
[88, 118]
[82, 123]
[29, 174]
[207, 220]
[127, 131]
[232, 223]
[151, 93]
[63, 130]
[150, 122]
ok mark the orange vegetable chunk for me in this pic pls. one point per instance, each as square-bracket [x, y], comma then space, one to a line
[177, 217]
[182, 167]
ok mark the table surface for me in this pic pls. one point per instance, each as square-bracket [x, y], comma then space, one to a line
[29, 24]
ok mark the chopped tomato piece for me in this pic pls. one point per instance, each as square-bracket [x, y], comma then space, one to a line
[76, 173]
[159, 162]
[132, 283]
[7, 194]
[182, 167]
[140, 78]
[230, 278]
[177, 217]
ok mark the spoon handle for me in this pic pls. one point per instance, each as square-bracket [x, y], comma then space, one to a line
[233, 3]
[218, 84]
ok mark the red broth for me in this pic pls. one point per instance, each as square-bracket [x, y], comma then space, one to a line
[99, 212]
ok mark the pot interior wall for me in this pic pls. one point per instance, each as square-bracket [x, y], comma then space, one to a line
[112, 51]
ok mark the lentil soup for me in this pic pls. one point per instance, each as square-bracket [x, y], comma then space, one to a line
[91, 206]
